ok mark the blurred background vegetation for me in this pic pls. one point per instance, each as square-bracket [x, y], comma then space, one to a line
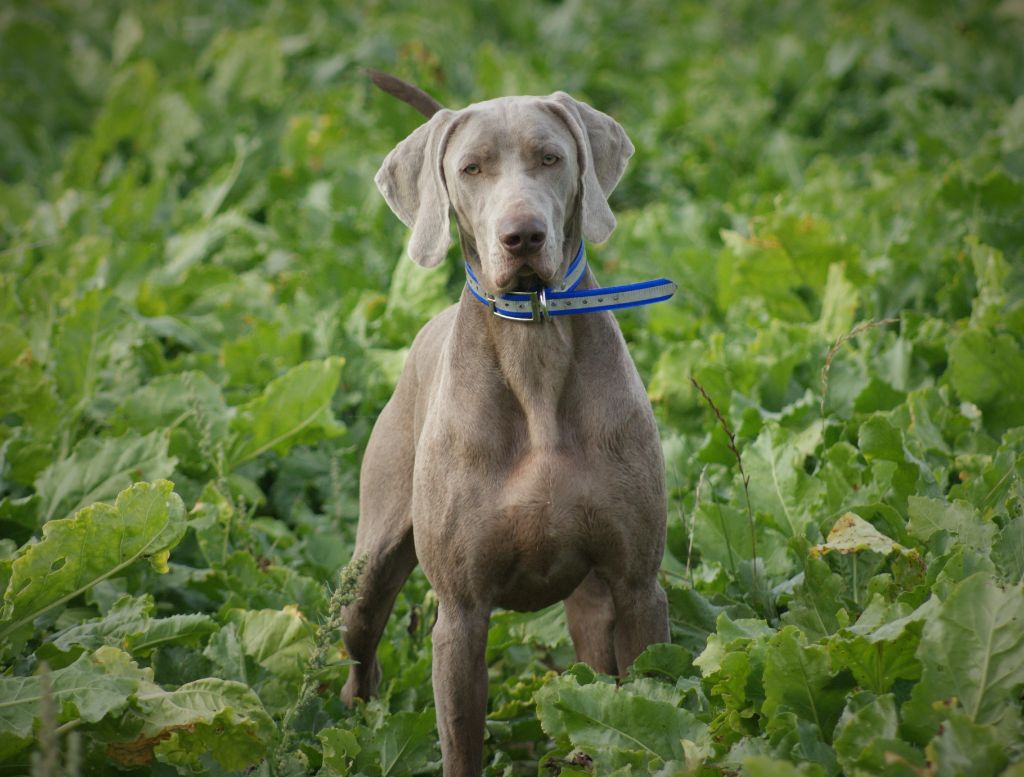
[187, 210]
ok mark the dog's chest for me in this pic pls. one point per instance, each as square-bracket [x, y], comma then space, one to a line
[527, 516]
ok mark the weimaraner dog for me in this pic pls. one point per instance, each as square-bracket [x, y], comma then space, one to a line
[517, 461]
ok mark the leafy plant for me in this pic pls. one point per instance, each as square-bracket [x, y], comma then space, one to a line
[203, 307]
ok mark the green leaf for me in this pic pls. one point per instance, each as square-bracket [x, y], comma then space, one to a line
[127, 617]
[600, 718]
[415, 296]
[765, 766]
[406, 743]
[340, 748]
[988, 370]
[879, 439]
[212, 717]
[798, 678]
[180, 629]
[729, 635]
[1008, 550]
[279, 640]
[692, 617]
[83, 343]
[248, 65]
[146, 521]
[972, 654]
[816, 603]
[262, 354]
[966, 749]
[100, 467]
[867, 736]
[839, 303]
[189, 406]
[881, 647]
[94, 686]
[295, 408]
[545, 629]
[664, 660]
[960, 519]
[778, 484]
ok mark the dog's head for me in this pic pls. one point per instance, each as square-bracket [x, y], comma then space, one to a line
[525, 176]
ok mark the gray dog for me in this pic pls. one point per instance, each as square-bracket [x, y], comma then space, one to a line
[518, 460]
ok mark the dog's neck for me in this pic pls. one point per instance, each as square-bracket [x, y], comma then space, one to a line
[535, 359]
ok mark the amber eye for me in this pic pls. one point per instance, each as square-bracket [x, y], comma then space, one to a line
[549, 159]
[471, 169]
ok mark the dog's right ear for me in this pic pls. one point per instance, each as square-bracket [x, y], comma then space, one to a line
[412, 181]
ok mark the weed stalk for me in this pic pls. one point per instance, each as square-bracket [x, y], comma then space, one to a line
[864, 326]
[345, 593]
[745, 478]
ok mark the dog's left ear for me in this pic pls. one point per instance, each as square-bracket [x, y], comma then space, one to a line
[604, 150]
[412, 182]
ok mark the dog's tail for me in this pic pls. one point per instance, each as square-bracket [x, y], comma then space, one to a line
[405, 92]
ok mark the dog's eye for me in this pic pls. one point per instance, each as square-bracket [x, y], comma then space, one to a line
[471, 169]
[549, 159]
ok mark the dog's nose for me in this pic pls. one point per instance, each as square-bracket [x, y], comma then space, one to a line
[522, 236]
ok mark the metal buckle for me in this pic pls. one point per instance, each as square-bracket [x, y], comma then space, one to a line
[538, 306]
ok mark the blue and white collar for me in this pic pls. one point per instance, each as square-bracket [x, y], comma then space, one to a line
[566, 299]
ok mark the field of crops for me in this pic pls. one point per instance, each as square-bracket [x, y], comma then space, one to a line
[204, 305]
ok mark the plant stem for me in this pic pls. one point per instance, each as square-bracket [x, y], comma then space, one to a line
[746, 489]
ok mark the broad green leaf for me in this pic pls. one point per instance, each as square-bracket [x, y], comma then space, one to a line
[100, 467]
[881, 647]
[1008, 550]
[838, 303]
[972, 654]
[879, 439]
[664, 660]
[94, 686]
[294, 408]
[180, 629]
[816, 604]
[546, 628]
[208, 717]
[130, 625]
[729, 635]
[415, 296]
[600, 718]
[799, 740]
[405, 744]
[988, 370]
[83, 343]
[960, 519]
[764, 766]
[798, 678]
[867, 737]
[127, 617]
[145, 522]
[966, 749]
[779, 486]
[261, 355]
[248, 65]
[340, 748]
[279, 640]
[190, 407]
[692, 617]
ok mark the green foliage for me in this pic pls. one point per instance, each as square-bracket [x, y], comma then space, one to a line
[199, 285]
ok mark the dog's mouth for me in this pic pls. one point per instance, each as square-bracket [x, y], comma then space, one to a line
[527, 280]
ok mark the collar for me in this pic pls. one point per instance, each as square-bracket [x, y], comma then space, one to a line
[566, 299]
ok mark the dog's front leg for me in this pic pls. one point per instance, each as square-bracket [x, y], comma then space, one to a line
[460, 686]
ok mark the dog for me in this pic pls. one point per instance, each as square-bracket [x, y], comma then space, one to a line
[518, 460]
